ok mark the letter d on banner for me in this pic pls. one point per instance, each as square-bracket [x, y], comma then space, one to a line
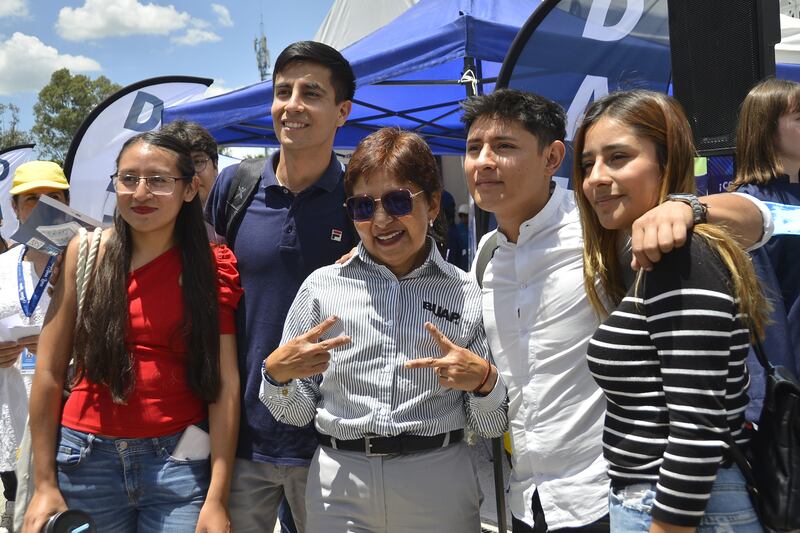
[596, 21]
[137, 111]
[10, 159]
[134, 109]
[4, 172]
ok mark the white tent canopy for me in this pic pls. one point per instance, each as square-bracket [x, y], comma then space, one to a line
[350, 20]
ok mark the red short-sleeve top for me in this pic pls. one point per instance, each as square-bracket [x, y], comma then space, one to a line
[161, 401]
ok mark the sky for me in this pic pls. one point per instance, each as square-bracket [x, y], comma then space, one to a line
[132, 40]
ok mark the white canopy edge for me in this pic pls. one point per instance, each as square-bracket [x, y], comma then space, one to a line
[349, 20]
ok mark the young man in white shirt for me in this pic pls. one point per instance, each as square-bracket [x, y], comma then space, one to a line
[537, 317]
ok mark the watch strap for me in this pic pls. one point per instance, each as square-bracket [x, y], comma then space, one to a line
[699, 209]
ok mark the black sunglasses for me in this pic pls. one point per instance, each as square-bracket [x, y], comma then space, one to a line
[397, 203]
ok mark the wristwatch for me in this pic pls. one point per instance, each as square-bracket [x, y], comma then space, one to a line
[699, 209]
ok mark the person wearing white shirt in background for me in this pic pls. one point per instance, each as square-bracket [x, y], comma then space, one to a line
[28, 271]
[537, 317]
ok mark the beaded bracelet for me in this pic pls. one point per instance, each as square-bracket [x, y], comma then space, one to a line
[485, 377]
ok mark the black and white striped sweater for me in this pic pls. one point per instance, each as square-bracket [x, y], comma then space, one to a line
[670, 360]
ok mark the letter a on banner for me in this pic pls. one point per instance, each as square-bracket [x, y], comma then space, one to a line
[591, 89]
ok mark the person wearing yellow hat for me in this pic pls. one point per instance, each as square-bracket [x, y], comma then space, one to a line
[34, 179]
[29, 270]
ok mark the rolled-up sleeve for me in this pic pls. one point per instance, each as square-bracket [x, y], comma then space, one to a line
[767, 224]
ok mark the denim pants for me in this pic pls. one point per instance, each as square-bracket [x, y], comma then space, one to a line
[729, 508]
[131, 485]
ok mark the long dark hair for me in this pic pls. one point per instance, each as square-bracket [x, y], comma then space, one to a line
[99, 349]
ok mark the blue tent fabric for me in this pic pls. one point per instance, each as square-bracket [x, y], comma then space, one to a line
[424, 47]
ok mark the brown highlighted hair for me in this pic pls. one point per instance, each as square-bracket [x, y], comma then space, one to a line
[659, 119]
[757, 157]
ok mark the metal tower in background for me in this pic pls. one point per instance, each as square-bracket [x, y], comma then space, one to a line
[262, 52]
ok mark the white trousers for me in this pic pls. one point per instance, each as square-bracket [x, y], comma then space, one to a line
[434, 491]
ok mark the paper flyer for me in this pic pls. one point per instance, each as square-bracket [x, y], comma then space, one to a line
[13, 328]
[51, 225]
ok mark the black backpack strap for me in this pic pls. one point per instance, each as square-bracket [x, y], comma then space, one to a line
[485, 255]
[241, 192]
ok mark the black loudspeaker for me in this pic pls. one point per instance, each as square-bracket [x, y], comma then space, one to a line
[720, 49]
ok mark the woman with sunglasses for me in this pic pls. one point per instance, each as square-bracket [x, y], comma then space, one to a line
[670, 353]
[146, 438]
[387, 355]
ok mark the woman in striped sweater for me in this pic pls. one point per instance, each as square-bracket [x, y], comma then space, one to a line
[670, 355]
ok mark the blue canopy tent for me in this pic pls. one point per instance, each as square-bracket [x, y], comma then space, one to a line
[411, 73]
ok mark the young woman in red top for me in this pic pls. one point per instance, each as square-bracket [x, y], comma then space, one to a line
[146, 439]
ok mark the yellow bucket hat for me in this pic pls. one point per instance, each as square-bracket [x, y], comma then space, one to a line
[37, 174]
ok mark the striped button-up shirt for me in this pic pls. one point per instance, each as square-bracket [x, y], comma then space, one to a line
[366, 389]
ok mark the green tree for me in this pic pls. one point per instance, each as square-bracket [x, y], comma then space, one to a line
[62, 106]
[10, 135]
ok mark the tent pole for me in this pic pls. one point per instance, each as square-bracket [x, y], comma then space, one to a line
[482, 225]
[481, 216]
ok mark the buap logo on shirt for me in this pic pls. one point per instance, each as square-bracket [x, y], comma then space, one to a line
[441, 312]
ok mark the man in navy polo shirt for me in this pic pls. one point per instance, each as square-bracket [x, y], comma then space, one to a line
[294, 224]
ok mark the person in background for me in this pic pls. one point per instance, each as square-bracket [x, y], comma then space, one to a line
[537, 316]
[670, 352]
[293, 225]
[767, 167]
[463, 215]
[204, 152]
[3, 242]
[462, 227]
[145, 441]
[28, 271]
[392, 373]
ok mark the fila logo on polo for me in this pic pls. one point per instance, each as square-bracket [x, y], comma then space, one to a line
[441, 312]
[336, 235]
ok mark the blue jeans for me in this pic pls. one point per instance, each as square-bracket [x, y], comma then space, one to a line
[131, 485]
[729, 509]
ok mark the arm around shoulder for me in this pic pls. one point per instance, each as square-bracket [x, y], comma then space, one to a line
[745, 217]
